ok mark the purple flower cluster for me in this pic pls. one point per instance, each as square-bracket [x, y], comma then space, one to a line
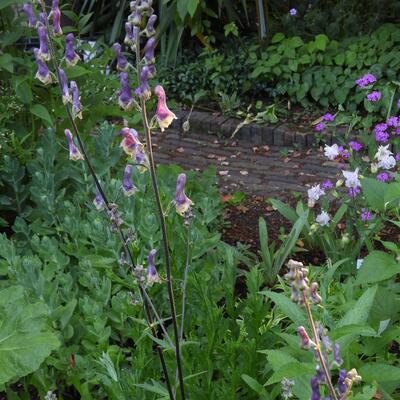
[355, 146]
[383, 177]
[374, 96]
[320, 127]
[366, 215]
[328, 117]
[365, 80]
[381, 134]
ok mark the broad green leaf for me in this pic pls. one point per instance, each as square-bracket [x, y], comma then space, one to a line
[278, 37]
[42, 113]
[182, 8]
[290, 371]
[374, 192]
[192, 7]
[288, 212]
[257, 387]
[277, 358]
[361, 330]
[377, 266]
[6, 62]
[321, 41]
[379, 372]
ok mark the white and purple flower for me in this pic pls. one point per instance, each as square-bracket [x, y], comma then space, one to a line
[164, 115]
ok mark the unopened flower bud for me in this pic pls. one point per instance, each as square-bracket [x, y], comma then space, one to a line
[66, 97]
[98, 201]
[28, 10]
[339, 183]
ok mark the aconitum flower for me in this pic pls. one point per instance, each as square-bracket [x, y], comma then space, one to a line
[74, 153]
[125, 99]
[182, 202]
[76, 101]
[393, 121]
[365, 80]
[320, 127]
[331, 152]
[122, 62]
[355, 146]
[345, 154]
[66, 97]
[383, 152]
[327, 184]
[127, 186]
[323, 218]
[135, 18]
[374, 96]
[328, 117]
[398, 103]
[314, 296]
[56, 13]
[305, 341]
[28, 10]
[152, 274]
[336, 355]
[366, 215]
[341, 385]
[130, 39]
[144, 90]
[43, 73]
[43, 53]
[352, 180]
[71, 57]
[99, 201]
[130, 141]
[397, 131]
[42, 19]
[150, 31]
[164, 115]
[293, 12]
[149, 51]
[383, 177]
[314, 193]
[315, 393]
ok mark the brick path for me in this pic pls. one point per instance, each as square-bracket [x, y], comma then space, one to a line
[242, 166]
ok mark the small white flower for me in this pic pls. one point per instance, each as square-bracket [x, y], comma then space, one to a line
[383, 152]
[374, 168]
[387, 162]
[352, 180]
[359, 263]
[331, 152]
[323, 218]
[314, 193]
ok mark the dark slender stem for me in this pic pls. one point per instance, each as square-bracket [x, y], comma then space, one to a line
[146, 299]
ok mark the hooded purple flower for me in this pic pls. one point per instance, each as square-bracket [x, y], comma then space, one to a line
[320, 127]
[28, 10]
[130, 38]
[56, 13]
[398, 103]
[383, 177]
[152, 274]
[374, 96]
[66, 97]
[122, 62]
[355, 146]
[76, 101]
[328, 117]
[336, 355]
[70, 56]
[136, 18]
[164, 115]
[305, 341]
[182, 202]
[43, 53]
[353, 192]
[365, 80]
[98, 201]
[42, 19]
[125, 99]
[144, 89]
[149, 51]
[314, 296]
[43, 73]
[315, 393]
[341, 385]
[127, 186]
[150, 31]
[74, 153]
[130, 141]
[366, 215]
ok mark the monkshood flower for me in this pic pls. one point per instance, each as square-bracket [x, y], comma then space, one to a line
[365, 80]
[127, 186]
[315, 393]
[74, 153]
[150, 31]
[353, 192]
[331, 152]
[76, 101]
[144, 89]
[366, 215]
[320, 127]
[323, 218]
[383, 177]
[136, 18]
[56, 13]
[98, 201]
[164, 115]
[374, 96]
[152, 274]
[122, 62]
[70, 55]
[131, 34]
[342, 387]
[182, 202]
[305, 341]
[130, 142]
[28, 10]
[327, 184]
[355, 146]
[314, 193]
[42, 19]
[293, 12]
[336, 355]
[314, 296]
[43, 73]
[66, 97]
[43, 53]
[398, 103]
[287, 385]
[149, 51]
[393, 121]
[328, 117]
[125, 99]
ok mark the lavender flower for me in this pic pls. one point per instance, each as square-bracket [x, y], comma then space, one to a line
[320, 127]
[43, 73]
[28, 10]
[293, 12]
[327, 184]
[182, 202]
[74, 153]
[152, 274]
[315, 393]
[374, 96]
[365, 80]
[66, 97]
[127, 186]
[43, 53]
[150, 31]
[286, 386]
[76, 101]
[164, 115]
[366, 215]
[383, 177]
[328, 117]
[98, 201]
[323, 218]
[144, 89]
[393, 121]
[314, 193]
[125, 99]
[71, 57]
[122, 62]
[56, 13]
[149, 51]
[355, 146]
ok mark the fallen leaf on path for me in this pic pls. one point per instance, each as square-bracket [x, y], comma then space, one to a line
[211, 156]
[220, 158]
[223, 173]
[180, 150]
[244, 173]
[225, 163]
[255, 149]
[286, 160]
[266, 148]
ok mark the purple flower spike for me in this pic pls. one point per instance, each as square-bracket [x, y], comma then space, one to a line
[320, 127]
[150, 31]
[374, 96]
[328, 117]
[28, 10]
[164, 115]
[152, 274]
[149, 51]
[336, 355]
[365, 80]
[341, 385]
[366, 215]
[383, 177]
[74, 153]
[98, 201]
[127, 186]
[43, 53]
[125, 99]
[144, 89]
[355, 146]
[182, 202]
[76, 101]
[43, 73]
[122, 62]
[315, 393]
[305, 341]
[66, 97]
[55, 11]
[70, 56]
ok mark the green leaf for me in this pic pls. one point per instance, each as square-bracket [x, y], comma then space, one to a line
[257, 387]
[374, 192]
[42, 113]
[290, 371]
[288, 212]
[362, 330]
[377, 266]
[278, 37]
[339, 59]
[192, 7]
[6, 62]
[379, 372]
[25, 339]
[321, 41]
[182, 9]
